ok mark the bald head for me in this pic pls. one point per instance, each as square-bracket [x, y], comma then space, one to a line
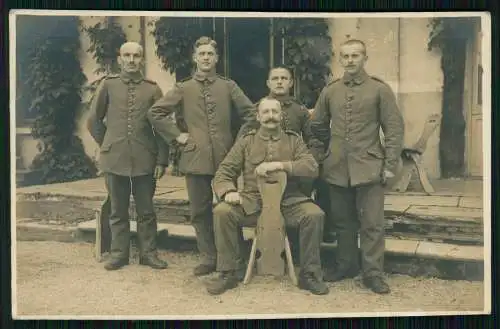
[131, 46]
[131, 57]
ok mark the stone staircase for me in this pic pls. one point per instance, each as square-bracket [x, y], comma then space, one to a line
[421, 232]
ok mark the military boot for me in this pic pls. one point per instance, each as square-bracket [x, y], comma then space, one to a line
[203, 269]
[116, 263]
[308, 281]
[225, 281]
[376, 284]
[153, 261]
[146, 231]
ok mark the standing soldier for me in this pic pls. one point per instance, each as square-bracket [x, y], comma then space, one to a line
[205, 102]
[356, 166]
[132, 158]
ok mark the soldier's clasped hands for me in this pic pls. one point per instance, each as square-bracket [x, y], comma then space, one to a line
[267, 167]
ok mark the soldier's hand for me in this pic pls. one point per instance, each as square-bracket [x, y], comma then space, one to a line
[233, 198]
[263, 169]
[159, 172]
[267, 167]
[182, 138]
[386, 175]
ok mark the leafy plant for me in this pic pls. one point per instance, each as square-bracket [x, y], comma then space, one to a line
[450, 35]
[54, 80]
[106, 39]
[308, 50]
[175, 37]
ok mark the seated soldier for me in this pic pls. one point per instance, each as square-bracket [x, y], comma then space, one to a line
[261, 152]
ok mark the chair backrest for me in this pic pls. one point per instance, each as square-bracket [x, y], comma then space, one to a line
[431, 123]
[276, 181]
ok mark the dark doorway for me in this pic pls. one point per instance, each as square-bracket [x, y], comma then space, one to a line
[248, 54]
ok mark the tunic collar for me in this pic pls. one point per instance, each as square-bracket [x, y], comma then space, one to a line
[267, 135]
[357, 79]
[283, 99]
[131, 77]
[202, 76]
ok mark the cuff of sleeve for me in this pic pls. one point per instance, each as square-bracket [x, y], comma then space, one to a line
[287, 166]
[222, 191]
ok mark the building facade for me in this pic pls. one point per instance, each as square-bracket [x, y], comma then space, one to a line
[398, 54]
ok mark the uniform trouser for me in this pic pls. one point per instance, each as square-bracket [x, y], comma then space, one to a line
[142, 188]
[322, 199]
[228, 220]
[199, 188]
[359, 208]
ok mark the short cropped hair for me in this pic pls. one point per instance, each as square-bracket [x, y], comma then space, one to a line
[355, 42]
[205, 41]
[284, 67]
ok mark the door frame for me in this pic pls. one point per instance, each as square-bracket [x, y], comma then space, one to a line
[472, 96]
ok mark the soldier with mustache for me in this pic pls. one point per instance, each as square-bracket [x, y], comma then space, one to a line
[258, 153]
[132, 156]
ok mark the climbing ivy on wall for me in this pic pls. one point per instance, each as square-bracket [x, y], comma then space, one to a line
[450, 36]
[53, 79]
[308, 49]
[175, 37]
[106, 39]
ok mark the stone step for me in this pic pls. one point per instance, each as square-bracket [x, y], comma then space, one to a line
[440, 223]
[413, 248]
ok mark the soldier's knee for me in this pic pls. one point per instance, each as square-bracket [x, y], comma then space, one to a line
[313, 213]
[222, 212]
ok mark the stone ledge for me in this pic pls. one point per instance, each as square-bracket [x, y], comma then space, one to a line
[412, 248]
[415, 258]
[41, 232]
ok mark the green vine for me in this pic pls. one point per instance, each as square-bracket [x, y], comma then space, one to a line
[106, 39]
[308, 49]
[450, 36]
[175, 37]
[54, 81]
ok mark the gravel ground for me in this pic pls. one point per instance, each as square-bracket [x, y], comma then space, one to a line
[61, 279]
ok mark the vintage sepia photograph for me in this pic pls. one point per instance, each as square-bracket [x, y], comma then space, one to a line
[220, 165]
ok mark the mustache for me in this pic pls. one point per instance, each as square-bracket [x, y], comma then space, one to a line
[271, 120]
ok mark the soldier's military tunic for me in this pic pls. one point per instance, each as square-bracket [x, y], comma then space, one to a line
[248, 152]
[208, 105]
[296, 117]
[129, 153]
[357, 107]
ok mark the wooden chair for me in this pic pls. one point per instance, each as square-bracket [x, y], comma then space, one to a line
[412, 159]
[271, 241]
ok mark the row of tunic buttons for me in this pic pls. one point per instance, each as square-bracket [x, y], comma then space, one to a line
[348, 118]
[210, 106]
[130, 103]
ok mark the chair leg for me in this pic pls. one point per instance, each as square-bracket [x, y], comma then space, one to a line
[251, 261]
[422, 175]
[98, 236]
[289, 258]
[406, 172]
